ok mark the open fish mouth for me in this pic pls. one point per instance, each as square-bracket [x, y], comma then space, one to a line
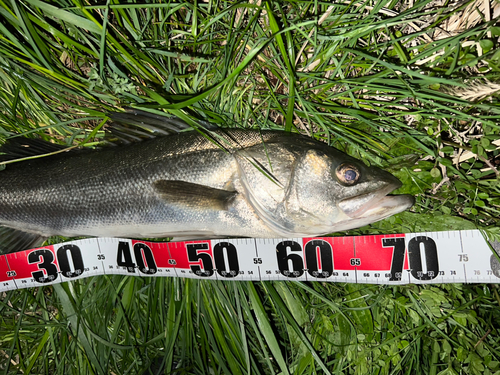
[389, 205]
[376, 204]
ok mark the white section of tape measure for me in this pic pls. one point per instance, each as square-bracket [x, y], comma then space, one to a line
[419, 258]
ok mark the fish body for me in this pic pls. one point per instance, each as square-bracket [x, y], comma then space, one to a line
[266, 184]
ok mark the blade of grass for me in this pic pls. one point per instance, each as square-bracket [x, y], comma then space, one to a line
[266, 329]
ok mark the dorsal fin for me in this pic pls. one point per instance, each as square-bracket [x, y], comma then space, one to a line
[129, 127]
[135, 125]
[20, 148]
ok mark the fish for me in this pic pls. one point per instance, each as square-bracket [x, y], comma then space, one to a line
[198, 184]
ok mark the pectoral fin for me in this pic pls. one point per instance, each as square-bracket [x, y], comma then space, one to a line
[192, 195]
[12, 240]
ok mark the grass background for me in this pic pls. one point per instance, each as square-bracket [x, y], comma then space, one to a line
[409, 86]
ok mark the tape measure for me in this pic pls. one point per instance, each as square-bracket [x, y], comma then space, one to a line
[419, 258]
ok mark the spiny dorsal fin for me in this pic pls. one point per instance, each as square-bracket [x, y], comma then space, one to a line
[135, 125]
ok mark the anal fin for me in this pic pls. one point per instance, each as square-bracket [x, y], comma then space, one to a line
[12, 240]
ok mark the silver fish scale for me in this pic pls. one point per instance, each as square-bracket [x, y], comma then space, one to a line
[89, 192]
[242, 184]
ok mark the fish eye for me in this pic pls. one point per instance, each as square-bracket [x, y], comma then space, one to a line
[347, 174]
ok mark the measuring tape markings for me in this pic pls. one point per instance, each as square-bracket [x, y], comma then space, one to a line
[419, 258]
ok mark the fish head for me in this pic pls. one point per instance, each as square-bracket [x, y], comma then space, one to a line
[330, 191]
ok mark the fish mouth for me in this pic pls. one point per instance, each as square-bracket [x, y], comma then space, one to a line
[388, 206]
[376, 204]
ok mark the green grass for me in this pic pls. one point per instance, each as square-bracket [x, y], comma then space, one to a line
[386, 83]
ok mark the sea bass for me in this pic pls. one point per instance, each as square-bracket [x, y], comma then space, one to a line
[234, 183]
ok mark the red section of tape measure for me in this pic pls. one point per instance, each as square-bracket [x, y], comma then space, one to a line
[6, 274]
[38, 264]
[187, 254]
[375, 256]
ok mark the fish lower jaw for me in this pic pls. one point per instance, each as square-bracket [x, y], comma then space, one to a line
[365, 204]
[387, 206]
